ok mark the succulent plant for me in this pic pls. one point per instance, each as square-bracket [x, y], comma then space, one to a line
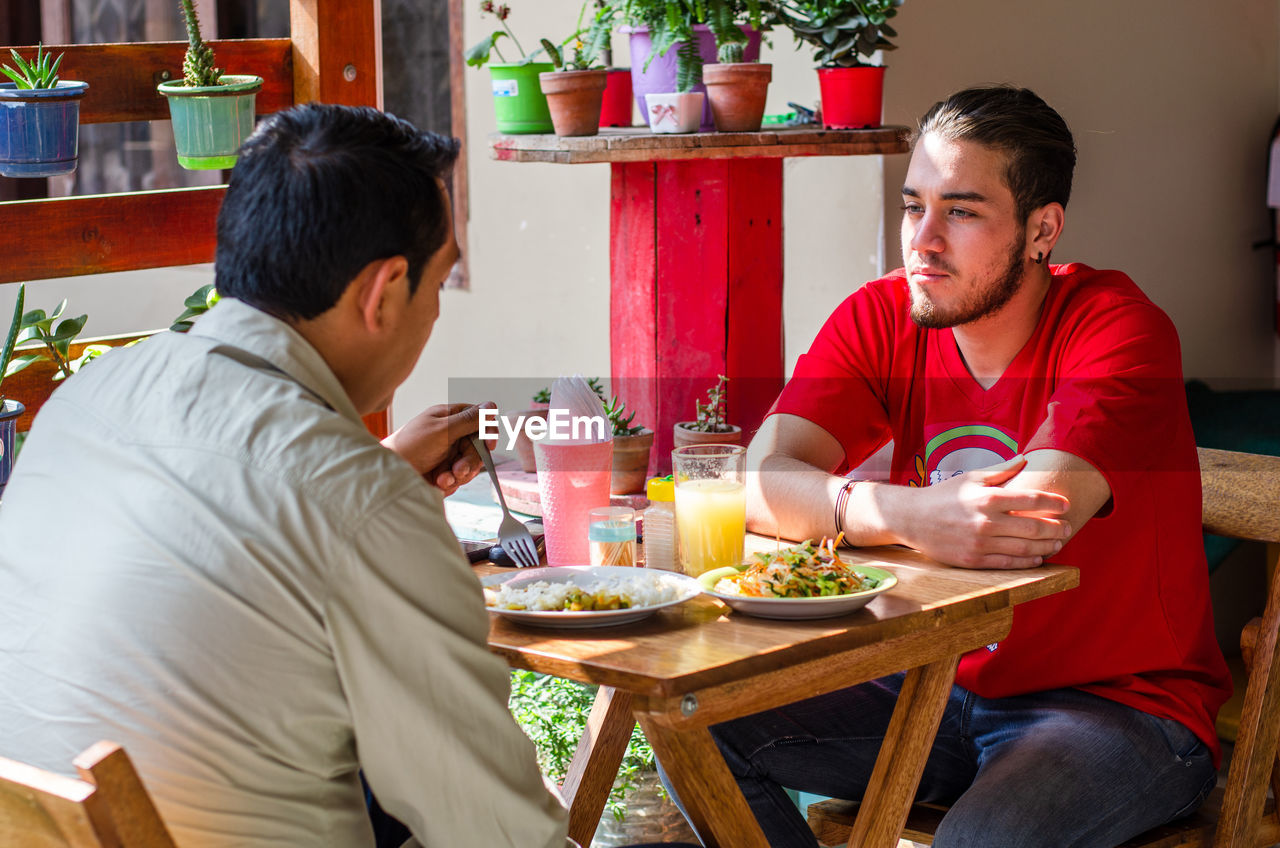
[42, 72]
[197, 65]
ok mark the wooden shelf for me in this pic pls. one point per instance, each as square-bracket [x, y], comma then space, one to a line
[638, 144]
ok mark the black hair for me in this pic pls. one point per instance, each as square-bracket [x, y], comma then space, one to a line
[318, 193]
[1041, 151]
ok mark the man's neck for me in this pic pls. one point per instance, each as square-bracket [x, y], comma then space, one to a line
[989, 344]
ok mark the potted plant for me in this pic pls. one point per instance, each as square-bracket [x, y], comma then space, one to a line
[693, 28]
[841, 31]
[553, 713]
[575, 89]
[39, 117]
[212, 112]
[631, 448]
[737, 89]
[709, 425]
[518, 101]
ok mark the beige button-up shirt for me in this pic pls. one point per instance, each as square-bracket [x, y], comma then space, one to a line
[205, 557]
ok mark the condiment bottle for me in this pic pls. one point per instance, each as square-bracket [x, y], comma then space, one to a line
[660, 535]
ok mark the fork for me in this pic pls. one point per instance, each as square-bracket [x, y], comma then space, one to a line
[514, 537]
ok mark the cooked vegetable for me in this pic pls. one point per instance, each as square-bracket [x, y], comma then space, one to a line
[805, 570]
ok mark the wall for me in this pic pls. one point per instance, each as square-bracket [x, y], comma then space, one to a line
[1172, 119]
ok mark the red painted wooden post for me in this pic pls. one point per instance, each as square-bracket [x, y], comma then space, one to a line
[755, 354]
[696, 288]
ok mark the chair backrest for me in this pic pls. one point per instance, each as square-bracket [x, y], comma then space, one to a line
[1242, 500]
[106, 807]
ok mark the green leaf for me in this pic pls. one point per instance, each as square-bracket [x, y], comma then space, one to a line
[33, 317]
[15, 326]
[478, 54]
[20, 362]
[69, 328]
[57, 313]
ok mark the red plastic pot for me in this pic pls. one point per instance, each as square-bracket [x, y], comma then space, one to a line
[851, 97]
[616, 109]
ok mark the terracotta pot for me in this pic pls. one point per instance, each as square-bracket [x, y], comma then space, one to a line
[574, 98]
[682, 435]
[524, 446]
[737, 93]
[630, 463]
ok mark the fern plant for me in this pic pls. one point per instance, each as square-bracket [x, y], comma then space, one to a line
[197, 66]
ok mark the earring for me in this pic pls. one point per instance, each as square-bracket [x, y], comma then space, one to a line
[1039, 257]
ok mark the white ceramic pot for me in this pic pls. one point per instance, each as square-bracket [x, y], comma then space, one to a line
[674, 113]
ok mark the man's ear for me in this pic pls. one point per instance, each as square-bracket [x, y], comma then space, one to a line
[1044, 227]
[380, 291]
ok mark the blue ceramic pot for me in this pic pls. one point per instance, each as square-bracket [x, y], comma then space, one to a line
[40, 129]
[9, 412]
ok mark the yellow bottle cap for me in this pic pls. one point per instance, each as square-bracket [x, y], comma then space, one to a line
[661, 489]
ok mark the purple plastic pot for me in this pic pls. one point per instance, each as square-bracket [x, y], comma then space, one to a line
[660, 78]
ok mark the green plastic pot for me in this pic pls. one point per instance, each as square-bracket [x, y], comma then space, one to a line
[518, 101]
[210, 122]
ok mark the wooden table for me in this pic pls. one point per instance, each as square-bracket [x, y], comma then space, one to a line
[695, 259]
[697, 664]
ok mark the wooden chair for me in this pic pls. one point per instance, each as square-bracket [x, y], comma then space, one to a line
[106, 807]
[1241, 500]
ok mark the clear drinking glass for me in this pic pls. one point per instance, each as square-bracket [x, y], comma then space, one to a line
[611, 535]
[711, 505]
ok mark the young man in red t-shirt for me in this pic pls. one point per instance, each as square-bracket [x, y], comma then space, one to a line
[1037, 413]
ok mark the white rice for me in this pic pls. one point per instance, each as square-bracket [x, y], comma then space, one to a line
[641, 590]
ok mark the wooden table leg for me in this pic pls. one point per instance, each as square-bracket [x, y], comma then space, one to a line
[900, 763]
[595, 763]
[705, 785]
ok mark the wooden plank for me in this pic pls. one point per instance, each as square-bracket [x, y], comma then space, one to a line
[836, 670]
[335, 52]
[692, 272]
[1239, 492]
[633, 297]
[458, 127]
[123, 77]
[755, 353]
[100, 233]
[902, 756]
[711, 796]
[632, 144]
[595, 762]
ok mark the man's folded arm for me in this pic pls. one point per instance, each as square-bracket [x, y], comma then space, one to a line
[1013, 515]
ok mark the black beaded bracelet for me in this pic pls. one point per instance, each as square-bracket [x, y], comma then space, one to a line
[842, 499]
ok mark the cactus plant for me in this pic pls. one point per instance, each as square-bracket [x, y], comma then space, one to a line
[197, 66]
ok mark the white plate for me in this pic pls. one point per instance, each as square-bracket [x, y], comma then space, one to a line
[794, 608]
[584, 575]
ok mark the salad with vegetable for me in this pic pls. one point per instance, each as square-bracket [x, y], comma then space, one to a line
[806, 570]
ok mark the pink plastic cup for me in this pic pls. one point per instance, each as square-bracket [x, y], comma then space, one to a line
[573, 479]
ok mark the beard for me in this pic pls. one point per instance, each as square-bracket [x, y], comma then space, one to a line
[980, 304]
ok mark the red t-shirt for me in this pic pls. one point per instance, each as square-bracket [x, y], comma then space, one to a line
[1100, 378]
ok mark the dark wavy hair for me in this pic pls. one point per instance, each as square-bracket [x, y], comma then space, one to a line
[319, 192]
[1041, 151]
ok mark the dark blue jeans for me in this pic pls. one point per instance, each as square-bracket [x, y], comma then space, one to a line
[1058, 768]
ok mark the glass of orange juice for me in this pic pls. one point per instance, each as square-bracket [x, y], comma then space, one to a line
[711, 505]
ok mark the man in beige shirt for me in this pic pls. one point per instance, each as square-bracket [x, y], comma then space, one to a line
[206, 557]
